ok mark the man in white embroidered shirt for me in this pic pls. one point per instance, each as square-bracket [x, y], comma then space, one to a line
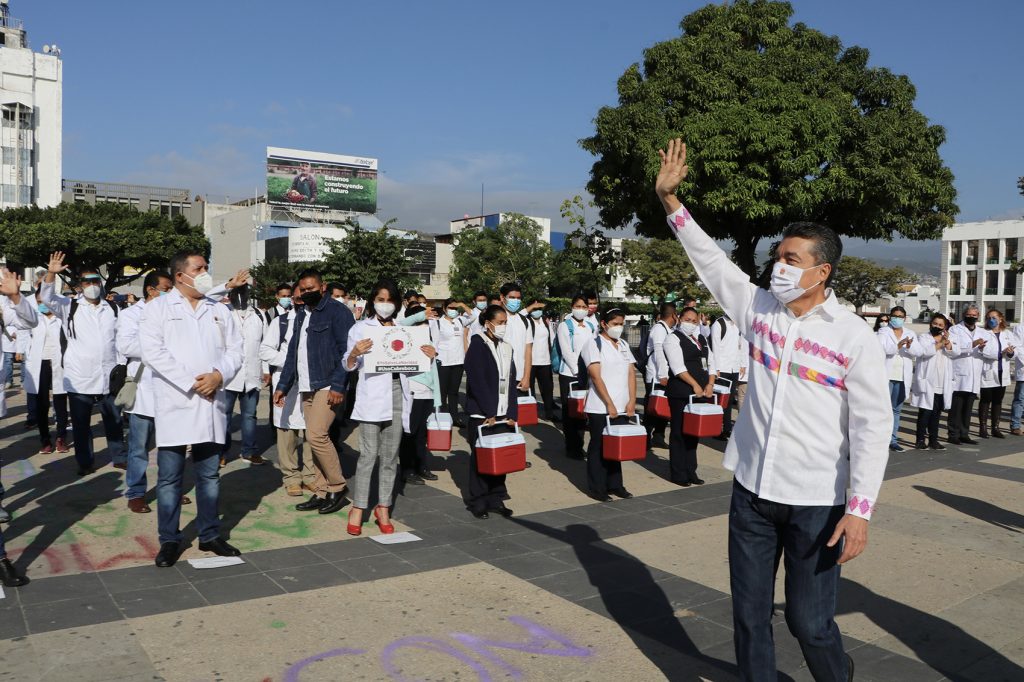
[810, 446]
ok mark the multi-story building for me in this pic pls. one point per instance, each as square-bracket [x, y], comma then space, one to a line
[492, 221]
[30, 114]
[978, 266]
[169, 201]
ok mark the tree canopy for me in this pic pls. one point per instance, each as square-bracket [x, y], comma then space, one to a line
[268, 274]
[483, 259]
[117, 238]
[363, 258]
[860, 281]
[656, 267]
[586, 261]
[782, 124]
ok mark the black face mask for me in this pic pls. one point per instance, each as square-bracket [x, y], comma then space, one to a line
[312, 298]
[936, 331]
[970, 321]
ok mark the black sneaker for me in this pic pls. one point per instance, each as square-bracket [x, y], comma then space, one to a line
[896, 447]
[921, 445]
[937, 446]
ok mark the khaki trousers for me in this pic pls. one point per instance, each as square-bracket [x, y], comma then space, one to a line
[319, 416]
[741, 394]
[292, 471]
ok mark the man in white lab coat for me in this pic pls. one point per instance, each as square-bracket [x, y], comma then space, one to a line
[245, 387]
[89, 324]
[971, 343]
[194, 348]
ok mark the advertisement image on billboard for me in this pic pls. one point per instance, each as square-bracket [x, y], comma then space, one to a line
[302, 179]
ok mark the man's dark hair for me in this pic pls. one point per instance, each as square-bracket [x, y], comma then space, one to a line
[666, 308]
[179, 261]
[490, 312]
[310, 272]
[153, 279]
[494, 297]
[509, 287]
[828, 247]
[479, 294]
[591, 294]
[335, 286]
[282, 285]
[409, 294]
[689, 309]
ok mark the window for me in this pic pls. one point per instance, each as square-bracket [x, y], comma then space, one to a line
[954, 283]
[7, 194]
[956, 253]
[972, 252]
[26, 195]
[991, 282]
[8, 156]
[972, 283]
[992, 251]
[1010, 283]
[1011, 251]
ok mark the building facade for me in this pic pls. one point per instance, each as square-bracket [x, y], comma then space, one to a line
[978, 267]
[492, 221]
[168, 201]
[30, 113]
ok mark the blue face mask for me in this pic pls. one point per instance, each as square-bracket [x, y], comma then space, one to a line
[285, 303]
[993, 322]
[514, 304]
[164, 293]
[44, 309]
[481, 305]
[537, 314]
[452, 313]
[896, 323]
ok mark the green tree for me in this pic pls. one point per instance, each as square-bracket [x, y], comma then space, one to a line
[364, 257]
[783, 123]
[586, 261]
[515, 251]
[860, 281]
[656, 267]
[119, 239]
[268, 274]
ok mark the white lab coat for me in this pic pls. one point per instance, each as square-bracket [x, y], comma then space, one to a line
[923, 390]
[730, 348]
[990, 363]
[890, 346]
[91, 352]
[373, 392]
[24, 315]
[48, 325]
[968, 360]
[274, 352]
[178, 344]
[128, 346]
[448, 336]
[1018, 357]
[541, 343]
[250, 375]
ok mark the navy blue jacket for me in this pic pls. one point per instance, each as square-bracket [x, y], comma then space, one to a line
[326, 342]
[482, 381]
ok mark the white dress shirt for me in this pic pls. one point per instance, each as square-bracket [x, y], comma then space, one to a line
[676, 359]
[91, 351]
[617, 361]
[448, 335]
[519, 335]
[273, 353]
[729, 345]
[250, 375]
[657, 365]
[541, 343]
[817, 421]
[25, 315]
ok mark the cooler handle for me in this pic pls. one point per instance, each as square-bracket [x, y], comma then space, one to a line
[480, 429]
[727, 384]
[608, 418]
[693, 395]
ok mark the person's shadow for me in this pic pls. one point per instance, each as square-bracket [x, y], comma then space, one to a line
[979, 509]
[634, 600]
[241, 492]
[941, 645]
[551, 449]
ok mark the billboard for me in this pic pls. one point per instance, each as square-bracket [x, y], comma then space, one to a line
[301, 179]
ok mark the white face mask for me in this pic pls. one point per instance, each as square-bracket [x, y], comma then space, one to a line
[499, 331]
[615, 332]
[92, 292]
[688, 328]
[785, 284]
[384, 310]
[579, 314]
[202, 282]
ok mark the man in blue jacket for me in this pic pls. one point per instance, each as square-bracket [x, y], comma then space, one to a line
[319, 339]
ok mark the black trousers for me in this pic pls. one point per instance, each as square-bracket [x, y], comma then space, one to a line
[959, 419]
[451, 380]
[542, 383]
[485, 491]
[571, 428]
[651, 423]
[413, 453]
[991, 406]
[602, 474]
[727, 417]
[682, 450]
[928, 420]
[42, 405]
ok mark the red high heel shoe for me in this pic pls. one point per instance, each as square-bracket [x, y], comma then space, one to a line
[385, 528]
[354, 529]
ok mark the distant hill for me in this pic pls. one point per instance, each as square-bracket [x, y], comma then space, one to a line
[923, 258]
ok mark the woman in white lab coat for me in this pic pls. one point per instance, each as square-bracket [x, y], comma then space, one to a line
[452, 339]
[44, 376]
[381, 399]
[996, 372]
[932, 387]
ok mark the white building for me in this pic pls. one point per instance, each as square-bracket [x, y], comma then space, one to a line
[30, 102]
[916, 299]
[618, 278]
[976, 267]
[493, 220]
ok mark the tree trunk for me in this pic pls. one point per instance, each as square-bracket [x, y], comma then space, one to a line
[745, 255]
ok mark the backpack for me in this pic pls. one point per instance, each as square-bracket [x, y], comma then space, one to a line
[582, 375]
[282, 328]
[556, 352]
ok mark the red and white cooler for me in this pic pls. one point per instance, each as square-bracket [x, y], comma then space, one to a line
[500, 453]
[723, 393]
[624, 442]
[439, 432]
[657, 403]
[702, 420]
[577, 399]
[527, 406]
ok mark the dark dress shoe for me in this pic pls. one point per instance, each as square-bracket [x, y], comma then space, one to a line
[937, 446]
[996, 433]
[458, 423]
[219, 547]
[427, 475]
[697, 481]
[503, 510]
[85, 471]
[333, 502]
[921, 445]
[414, 479]
[600, 497]
[481, 514]
[167, 555]
[966, 440]
[621, 493]
[684, 484]
[312, 504]
[9, 575]
[575, 455]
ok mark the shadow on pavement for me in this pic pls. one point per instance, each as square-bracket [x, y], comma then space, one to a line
[551, 449]
[979, 509]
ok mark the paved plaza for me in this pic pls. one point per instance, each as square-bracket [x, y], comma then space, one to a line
[567, 589]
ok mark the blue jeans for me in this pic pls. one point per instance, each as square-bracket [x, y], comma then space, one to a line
[1017, 410]
[897, 394]
[760, 534]
[3, 550]
[248, 400]
[7, 372]
[140, 435]
[170, 462]
[80, 405]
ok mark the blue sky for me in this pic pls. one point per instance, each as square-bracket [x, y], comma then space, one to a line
[451, 94]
